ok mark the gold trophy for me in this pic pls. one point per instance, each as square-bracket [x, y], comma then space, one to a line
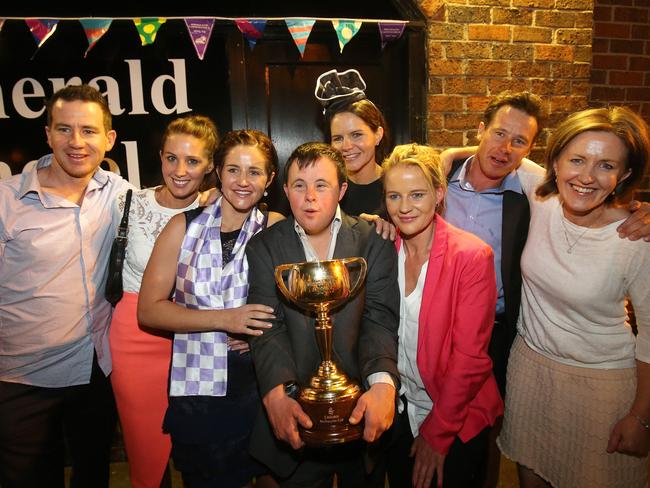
[320, 286]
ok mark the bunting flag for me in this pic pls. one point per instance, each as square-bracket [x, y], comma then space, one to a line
[300, 30]
[390, 31]
[148, 28]
[251, 29]
[41, 29]
[200, 31]
[94, 29]
[2, 22]
[346, 30]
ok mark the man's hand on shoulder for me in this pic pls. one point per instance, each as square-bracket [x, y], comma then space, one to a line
[377, 408]
[285, 414]
[637, 225]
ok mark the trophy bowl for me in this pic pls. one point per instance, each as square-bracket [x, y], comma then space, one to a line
[330, 397]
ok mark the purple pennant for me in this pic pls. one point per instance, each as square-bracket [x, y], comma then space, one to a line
[390, 31]
[252, 29]
[94, 29]
[200, 31]
[41, 29]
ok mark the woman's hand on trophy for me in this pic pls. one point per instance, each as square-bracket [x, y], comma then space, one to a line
[427, 463]
[285, 414]
[377, 408]
[247, 319]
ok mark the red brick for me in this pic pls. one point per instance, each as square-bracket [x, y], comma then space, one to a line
[465, 50]
[640, 32]
[573, 36]
[435, 50]
[486, 32]
[445, 138]
[607, 93]
[598, 77]
[584, 19]
[469, 14]
[531, 34]
[533, 3]
[580, 88]
[630, 47]
[572, 70]
[602, 13]
[445, 67]
[600, 45]
[465, 86]
[498, 85]
[487, 68]
[647, 79]
[554, 53]
[616, 2]
[610, 30]
[527, 69]
[446, 31]
[567, 103]
[625, 14]
[625, 78]
[582, 54]
[637, 94]
[446, 103]
[461, 121]
[554, 18]
[435, 85]
[574, 4]
[477, 103]
[550, 87]
[609, 61]
[512, 51]
[512, 16]
[638, 63]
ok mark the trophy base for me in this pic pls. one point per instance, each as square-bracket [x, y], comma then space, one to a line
[330, 422]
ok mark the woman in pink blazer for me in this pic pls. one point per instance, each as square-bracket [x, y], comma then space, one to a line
[449, 397]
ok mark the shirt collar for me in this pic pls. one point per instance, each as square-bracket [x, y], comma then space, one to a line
[510, 182]
[310, 254]
[30, 183]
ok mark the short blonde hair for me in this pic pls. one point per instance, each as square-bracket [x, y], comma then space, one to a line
[424, 157]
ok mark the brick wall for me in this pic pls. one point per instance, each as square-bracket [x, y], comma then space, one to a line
[620, 72]
[478, 48]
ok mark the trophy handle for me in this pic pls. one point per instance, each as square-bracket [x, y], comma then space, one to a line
[361, 276]
[279, 279]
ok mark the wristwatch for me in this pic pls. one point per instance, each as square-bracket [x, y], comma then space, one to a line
[291, 388]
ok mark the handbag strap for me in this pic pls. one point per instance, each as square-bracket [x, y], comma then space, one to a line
[124, 224]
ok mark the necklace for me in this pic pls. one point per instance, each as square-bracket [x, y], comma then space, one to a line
[570, 245]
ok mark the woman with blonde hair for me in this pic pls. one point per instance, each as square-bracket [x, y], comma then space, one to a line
[448, 294]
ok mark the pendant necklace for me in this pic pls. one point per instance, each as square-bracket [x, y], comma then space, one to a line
[570, 245]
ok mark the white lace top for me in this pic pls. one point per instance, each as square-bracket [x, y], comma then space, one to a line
[147, 218]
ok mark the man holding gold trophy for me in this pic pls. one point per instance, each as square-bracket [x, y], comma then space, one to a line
[327, 369]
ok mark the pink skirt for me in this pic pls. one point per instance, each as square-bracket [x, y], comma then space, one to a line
[558, 420]
[140, 374]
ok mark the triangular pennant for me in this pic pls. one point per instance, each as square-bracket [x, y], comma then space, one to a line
[390, 31]
[94, 29]
[2, 22]
[200, 31]
[346, 30]
[148, 28]
[300, 30]
[251, 29]
[41, 29]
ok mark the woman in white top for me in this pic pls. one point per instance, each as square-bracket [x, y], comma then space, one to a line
[578, 397]
[141, 356]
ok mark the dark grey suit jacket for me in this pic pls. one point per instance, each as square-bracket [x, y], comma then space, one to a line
[364, 329]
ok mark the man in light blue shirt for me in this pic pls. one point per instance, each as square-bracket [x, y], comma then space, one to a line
[55, 236]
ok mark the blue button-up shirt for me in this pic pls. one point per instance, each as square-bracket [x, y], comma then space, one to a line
[480, 213]
[53, 260]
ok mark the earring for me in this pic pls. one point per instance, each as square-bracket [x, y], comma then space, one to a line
[266, 193]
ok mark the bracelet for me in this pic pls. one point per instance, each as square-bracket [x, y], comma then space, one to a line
[644, 423]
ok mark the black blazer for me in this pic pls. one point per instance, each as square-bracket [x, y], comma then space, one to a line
[514, 231]
[364, 329]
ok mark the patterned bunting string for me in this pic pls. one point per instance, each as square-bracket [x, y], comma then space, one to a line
[148, 28]
[300, 30]
[346, 30]
[200, 31]
[94, 29]
[390, 31]
[41, 29]
[251, 29]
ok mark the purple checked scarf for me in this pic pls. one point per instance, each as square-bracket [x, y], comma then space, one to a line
[200, 359]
